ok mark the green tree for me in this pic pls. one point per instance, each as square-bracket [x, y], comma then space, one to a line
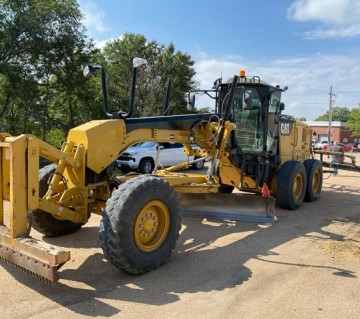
[42, 46]
[34, 30]
[353, 122]
[338, 114]
[164, 64]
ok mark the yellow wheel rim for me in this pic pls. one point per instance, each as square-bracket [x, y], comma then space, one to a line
[298, 186]
[151, 226]
[316, 181]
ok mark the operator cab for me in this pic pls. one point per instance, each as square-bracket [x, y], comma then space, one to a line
[255, 110]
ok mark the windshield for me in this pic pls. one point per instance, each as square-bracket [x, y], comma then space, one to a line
[146, 144]
[246, 114]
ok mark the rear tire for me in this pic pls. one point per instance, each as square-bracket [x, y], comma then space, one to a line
[146, 166]
[140, 225]
[291, 185]
[314, 182]
[44, 222]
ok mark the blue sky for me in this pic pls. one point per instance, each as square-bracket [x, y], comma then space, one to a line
[308, 45]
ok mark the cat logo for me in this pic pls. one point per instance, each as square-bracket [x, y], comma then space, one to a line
[285, 128]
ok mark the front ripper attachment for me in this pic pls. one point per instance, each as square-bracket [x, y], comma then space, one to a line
[235, 206]
[35, 257]
[19, 193]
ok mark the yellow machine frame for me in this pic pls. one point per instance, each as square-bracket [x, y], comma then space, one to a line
[92, 147]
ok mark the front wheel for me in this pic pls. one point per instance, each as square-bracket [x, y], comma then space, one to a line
[291, 181]
[44, 222]
[140, 224]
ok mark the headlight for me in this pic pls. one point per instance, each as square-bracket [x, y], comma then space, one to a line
[134, 153]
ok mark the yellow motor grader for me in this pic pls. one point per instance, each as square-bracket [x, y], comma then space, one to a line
[256, 155]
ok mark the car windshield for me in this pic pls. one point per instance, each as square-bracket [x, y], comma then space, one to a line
[147, 144]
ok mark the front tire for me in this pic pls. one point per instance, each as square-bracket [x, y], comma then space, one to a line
[291, 181]
[140, 224]
[314, 182]
[44, 222]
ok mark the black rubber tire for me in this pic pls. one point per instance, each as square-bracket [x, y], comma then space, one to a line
[198, 165]
[45, 223]
[314, 175]
[291, 185]
[118, 230]
[146, 166]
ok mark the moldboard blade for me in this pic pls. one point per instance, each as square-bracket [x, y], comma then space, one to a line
[235, 206]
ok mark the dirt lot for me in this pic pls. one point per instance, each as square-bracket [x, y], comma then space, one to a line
[306, 265]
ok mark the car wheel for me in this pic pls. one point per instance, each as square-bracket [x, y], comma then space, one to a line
[198, 165]
[146, 166]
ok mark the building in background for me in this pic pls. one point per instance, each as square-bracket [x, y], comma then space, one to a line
[339, 132]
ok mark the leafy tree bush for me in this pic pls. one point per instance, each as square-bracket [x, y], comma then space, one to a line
[164, 64]
[353, 122]
[339, 114]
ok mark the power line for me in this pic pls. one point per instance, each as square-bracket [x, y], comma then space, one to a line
[342, 105]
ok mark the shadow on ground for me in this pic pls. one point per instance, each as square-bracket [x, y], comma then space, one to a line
[201, 261]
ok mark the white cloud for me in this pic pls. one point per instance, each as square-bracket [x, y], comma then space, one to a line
[334, 33]
[93, 17]
[309, 79]
[341, 12]
[339, 18]
[101, 44]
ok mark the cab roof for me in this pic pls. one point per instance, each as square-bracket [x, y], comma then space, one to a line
[255, 81]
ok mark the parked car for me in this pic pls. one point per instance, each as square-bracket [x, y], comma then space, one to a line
[347, 147]
[324, 145]
[316, 145]
[142, 157]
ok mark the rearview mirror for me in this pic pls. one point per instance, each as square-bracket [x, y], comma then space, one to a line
[137, 62]
[88, 71]
[190, 102]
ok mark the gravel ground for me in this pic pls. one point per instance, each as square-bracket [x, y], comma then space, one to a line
[306, 265]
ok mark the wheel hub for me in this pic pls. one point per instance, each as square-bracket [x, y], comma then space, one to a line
[151, 226]
[316, 181]
[298, 185]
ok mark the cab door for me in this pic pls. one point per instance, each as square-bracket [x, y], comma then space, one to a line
[288, 137]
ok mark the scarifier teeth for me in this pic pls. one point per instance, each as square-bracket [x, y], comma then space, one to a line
[34, 274]
[36, 257]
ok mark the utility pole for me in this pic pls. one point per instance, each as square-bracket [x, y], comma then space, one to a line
[330, 116]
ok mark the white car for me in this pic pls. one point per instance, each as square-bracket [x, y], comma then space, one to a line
[142, 157]
[317, 146]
